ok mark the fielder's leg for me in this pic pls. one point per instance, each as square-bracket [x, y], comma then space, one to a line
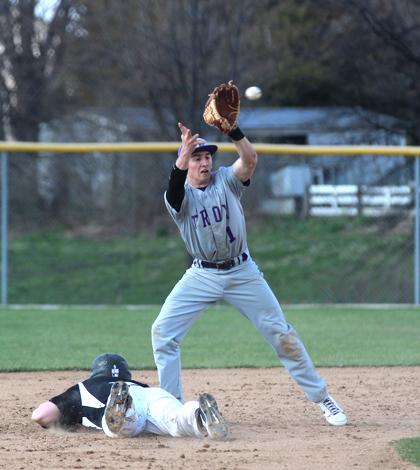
[257, 302]
[188, 299]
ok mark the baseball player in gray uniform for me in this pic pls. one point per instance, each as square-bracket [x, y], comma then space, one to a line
[205, 205]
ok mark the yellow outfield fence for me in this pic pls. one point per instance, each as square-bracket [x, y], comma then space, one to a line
[86, 147]
[53, 149]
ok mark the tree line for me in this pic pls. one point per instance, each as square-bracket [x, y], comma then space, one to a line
[60, 60]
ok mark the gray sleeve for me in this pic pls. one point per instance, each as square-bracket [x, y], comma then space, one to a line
[237, 186]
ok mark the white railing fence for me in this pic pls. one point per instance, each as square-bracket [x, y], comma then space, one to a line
[351, 200]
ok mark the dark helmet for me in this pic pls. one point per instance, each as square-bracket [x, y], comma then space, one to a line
[111, 365]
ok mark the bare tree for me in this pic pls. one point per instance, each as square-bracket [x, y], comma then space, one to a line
[31, 51]
[394, 27]
[165, 56]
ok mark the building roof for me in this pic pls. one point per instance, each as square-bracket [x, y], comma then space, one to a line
[255, 120]
[293, 119]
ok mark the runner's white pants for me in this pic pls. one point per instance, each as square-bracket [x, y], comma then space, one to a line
[156, 411]
[245, 288]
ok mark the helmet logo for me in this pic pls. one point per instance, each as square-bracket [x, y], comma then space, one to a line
[115, 372]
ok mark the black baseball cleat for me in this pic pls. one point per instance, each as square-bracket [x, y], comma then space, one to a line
[119, 401]
[209, 419]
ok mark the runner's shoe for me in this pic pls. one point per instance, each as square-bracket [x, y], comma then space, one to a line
[209, 419]
[333, 412]
[119, 401]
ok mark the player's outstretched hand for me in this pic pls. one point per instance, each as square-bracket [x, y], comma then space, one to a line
[188, 139]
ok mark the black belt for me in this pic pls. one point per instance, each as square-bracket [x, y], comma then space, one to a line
[229, 263]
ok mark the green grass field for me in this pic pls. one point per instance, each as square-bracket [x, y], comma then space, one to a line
[409, 449]
[70, 337]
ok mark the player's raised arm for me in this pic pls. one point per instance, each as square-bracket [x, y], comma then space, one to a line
[222, 111]
[175, 192]
[244, 166]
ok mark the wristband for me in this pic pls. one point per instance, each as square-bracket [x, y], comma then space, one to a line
[236, 134]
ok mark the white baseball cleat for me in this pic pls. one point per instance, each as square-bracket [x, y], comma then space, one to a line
[333, 412]
[209, 418]
[119, 401]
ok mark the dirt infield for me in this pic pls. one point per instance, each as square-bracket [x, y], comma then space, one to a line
[273, 425]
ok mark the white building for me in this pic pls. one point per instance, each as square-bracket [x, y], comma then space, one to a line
[288, 176]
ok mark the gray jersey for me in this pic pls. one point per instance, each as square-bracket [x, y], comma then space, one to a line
[211, 221]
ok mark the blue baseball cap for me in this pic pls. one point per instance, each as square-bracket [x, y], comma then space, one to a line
[203, 146]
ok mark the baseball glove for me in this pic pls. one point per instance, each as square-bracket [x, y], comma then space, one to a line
[222, 107]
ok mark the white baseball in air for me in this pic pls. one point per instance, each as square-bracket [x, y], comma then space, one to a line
[253, 93]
